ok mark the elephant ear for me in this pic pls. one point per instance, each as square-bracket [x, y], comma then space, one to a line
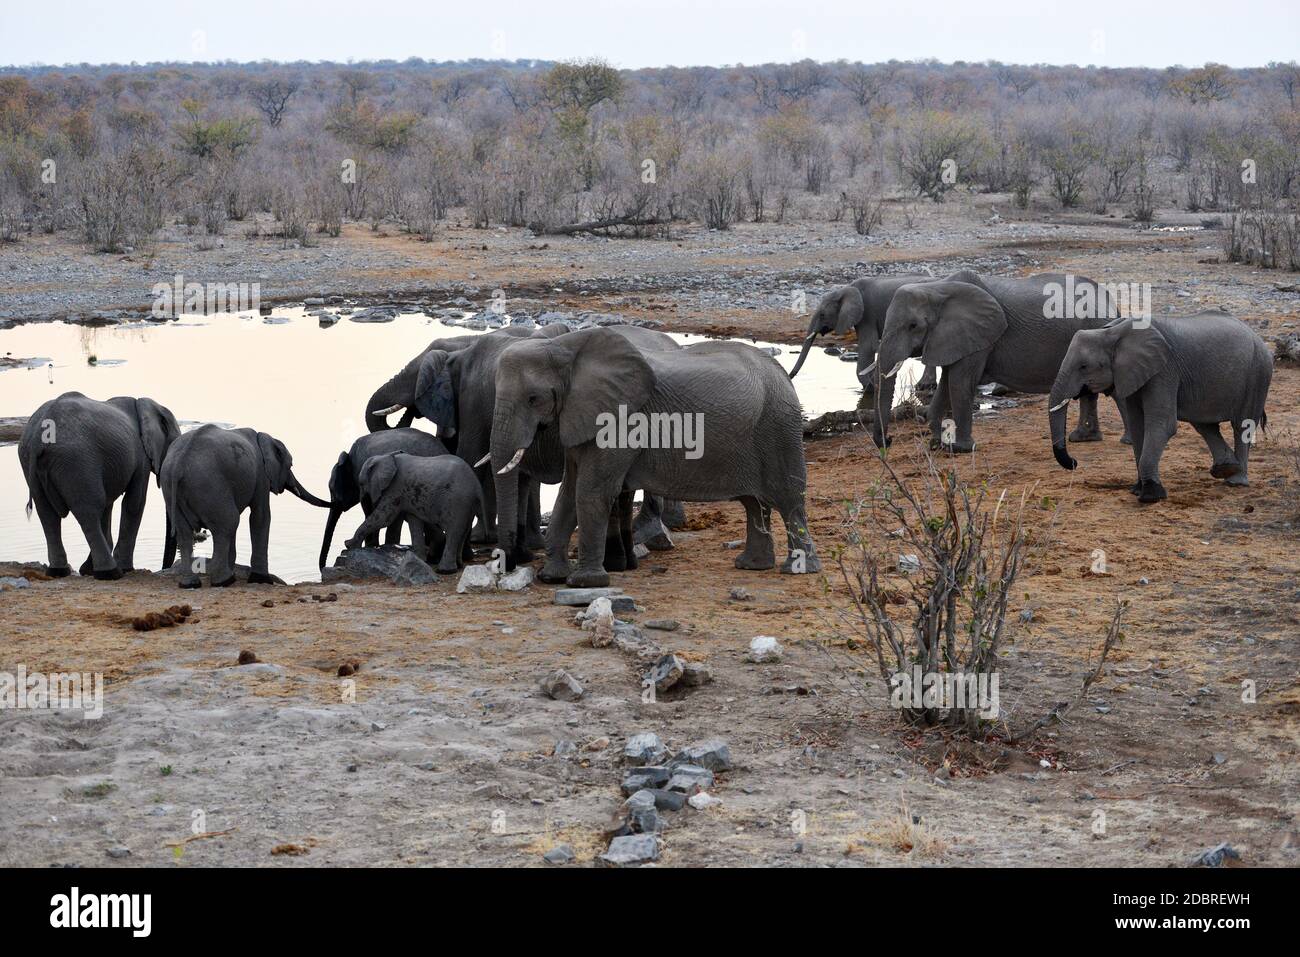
[276, 461]
[158, 430]
[343, 482]
[1139, 354]
[969, 320]
[850, 311]
[435, 393]
[604, 371]
[377, 474]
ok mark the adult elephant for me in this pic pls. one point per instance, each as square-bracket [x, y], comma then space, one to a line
[345, 478]
[1203, 369]
[398, 393]
[584, 388]
[861, 306]
[80, 455]
[981, 329]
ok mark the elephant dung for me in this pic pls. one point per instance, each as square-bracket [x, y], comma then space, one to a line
[562, 686]
[476, 578]
[584, 596]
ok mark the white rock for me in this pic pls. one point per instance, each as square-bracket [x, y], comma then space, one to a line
[703, 800]
[476, 578]
[517, 580]
[764, 649]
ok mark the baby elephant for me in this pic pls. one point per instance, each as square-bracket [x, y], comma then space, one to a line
[209, 477]
[1203, 369]
[441, 493]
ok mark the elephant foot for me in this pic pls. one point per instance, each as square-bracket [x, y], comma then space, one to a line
[588, 578]
[87, 567]
[108, 574]
[260, 578]
[1125, 439]
[58, 571]
[673, 514]
[808, 564]
[224, 584]
[444, 570]
[535, 540]
[481, 537]
[352, 543]
[1151, 491]
[1135, 488]
[519, 556]
[554, 573]
[615, 558]
[632, 563]
[1223, 470]
[1239, 480]
[882, 442]
[1085, 435]
[958, 447]
[191, 581]
[755, 562]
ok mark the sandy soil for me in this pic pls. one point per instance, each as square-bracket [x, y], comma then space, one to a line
[448, 752]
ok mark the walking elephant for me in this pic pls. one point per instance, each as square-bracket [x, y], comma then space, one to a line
[714, 421]
[1203, 369]
[438, 495]
[398, 393]
[80, 455]
[345, 478]
[209, 477]
[861, 306]
[981, 329]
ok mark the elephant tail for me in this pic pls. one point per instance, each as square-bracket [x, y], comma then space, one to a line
[38, 475]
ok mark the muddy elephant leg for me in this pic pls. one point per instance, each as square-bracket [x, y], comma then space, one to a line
[596, 489]
[560, 530]
[1088, 428]
[259, 527]
[962, 378]
[129, 525]
[1242, 448]
[759, 552]
[52, 526]
[94, 521]
[802, 558]
[189, 571]
[1156, 435]
[1224, 463]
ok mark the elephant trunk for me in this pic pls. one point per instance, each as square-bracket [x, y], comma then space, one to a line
[294, 486]
[885, 373]
[1057, 405]
[336, 510]
[397, 393]
[807, 347]
[169, 545]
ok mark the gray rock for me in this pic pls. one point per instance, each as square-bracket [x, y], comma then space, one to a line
[562, 686]
[695, 673]
[632, 849]
[764, 649]
[583, 596]
[643, 749]
[690, 778]
[414, 571]
[712, 754]
[668, 800]
[117, 853]
[1215, 856]
[663, 624]
[560, 854]
[517, 580]
[647, 777]
[665, 672]
[9, 582]
[645, 820]
[909, 564]
[392, 562]
[476, 578]
[565, 748]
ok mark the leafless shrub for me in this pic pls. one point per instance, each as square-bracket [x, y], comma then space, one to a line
[714, 189]
[866, 207]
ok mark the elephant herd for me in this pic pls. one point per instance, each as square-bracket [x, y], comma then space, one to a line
[1204, 369]
[608, 411]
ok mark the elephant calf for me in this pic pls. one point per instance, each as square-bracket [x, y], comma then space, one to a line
[80, 455]
[439, 496]
[345, 479]
[210, 476]
[1203, 369]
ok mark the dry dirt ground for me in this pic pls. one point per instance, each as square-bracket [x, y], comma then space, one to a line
[448, 754]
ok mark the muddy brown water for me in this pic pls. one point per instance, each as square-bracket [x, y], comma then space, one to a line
[304, 384]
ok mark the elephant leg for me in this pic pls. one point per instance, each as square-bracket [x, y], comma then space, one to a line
[615, 558]
[803, 553]
[929, 380]
[1088, 428]
[94, 521]
[52, 526]
[129, 525]
[1242, 448]
[393, 533]
[1159, 426]
[259, 526]
[1224, 462]
[485, 531]
[534, 538]
[673, 513]
[626, 513]
[382, 514]
[1122, 406]
[597, 487]
[189, 575]
[560, 530]
[759, 552]
[1136, 420]
[367, 506]
[962, 379]
[221, 567]
[453, 541]
[940, 407]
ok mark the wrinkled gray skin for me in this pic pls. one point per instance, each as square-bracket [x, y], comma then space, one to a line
[399, 391]
[209, 477]
[458, 390]
[80, 455]
[1203, 369]
[752, 450]
[439, 496]
[345, 478]
[860, 306]
[981, 329]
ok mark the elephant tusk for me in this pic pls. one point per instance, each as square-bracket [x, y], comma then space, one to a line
[485, 459]
[513, 462]
[894, 371]
[388, 411]
[1059, 406]
[869, 369]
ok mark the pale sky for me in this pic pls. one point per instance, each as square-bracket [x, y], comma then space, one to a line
[639, 33]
